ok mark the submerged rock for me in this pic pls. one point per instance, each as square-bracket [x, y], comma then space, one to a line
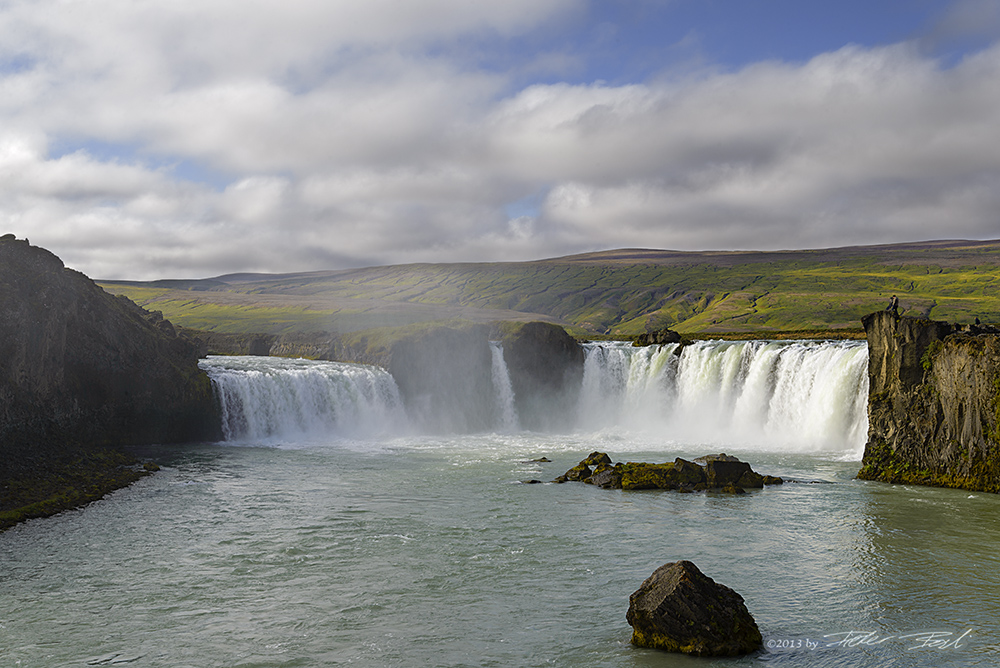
[679, 609]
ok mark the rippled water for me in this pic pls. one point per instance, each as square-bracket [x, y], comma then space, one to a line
[428, 552]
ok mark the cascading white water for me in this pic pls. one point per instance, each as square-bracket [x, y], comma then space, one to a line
[503, 391]
[801, 396]
[787, 396]
[263, 399]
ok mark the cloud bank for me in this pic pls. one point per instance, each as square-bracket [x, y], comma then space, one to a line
[198, 138]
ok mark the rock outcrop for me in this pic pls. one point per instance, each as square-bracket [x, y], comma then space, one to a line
[657, 337]
[679, 609]
[81, 369]
[546, 369]
[720, 472]
[933, 403]
[445, 377]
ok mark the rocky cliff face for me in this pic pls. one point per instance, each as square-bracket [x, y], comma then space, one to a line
[81, 368]
[546, 371]
[933, 403]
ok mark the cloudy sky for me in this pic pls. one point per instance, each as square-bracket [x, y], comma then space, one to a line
[191, 138]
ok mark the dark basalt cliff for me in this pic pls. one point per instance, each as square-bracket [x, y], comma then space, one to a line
[933, 403]
[82, 370]
[546, 370]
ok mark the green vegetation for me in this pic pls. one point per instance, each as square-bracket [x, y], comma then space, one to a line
[612, 294]
[67, 484]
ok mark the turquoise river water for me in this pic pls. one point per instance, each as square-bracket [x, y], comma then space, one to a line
[344, 541]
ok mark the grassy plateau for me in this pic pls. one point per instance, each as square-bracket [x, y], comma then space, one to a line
[610, 293]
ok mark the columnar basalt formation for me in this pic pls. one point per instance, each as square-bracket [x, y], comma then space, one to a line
[933, 403]
[81, 369]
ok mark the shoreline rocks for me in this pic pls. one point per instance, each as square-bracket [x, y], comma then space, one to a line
[680, 609]
[716, 472]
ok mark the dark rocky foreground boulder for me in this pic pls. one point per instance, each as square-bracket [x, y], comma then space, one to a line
[81, 370]
[933, 403]
[709, 472]
[679, 609]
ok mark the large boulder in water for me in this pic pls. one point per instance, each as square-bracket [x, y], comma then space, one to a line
[679, 609]
[723, 470]
[673, 475]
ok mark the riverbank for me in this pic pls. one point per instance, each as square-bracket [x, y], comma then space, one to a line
[67, 482]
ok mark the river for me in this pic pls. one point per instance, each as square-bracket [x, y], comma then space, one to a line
[327, 531]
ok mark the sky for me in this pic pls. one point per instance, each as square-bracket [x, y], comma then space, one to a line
[144, 139]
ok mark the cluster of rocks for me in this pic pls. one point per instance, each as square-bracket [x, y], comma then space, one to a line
[721, 472]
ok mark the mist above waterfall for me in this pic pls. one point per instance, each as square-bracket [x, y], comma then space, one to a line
[765, 395]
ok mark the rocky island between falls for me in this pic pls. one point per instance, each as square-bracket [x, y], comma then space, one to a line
[718, 472]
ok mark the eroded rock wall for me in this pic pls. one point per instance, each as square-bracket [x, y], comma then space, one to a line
[934, 397]
[81, 368]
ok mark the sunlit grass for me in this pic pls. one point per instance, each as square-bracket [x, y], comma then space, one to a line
[606, 298]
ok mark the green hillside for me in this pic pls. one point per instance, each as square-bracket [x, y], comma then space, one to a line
[621, 292]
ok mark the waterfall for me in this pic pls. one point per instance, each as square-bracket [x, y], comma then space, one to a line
[266, 399]
[791, 396]
[503, 391]
[800, 395]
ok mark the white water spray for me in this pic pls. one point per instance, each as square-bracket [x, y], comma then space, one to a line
[792, 396]
[266, 399]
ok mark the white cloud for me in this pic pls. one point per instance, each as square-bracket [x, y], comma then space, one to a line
[348, 135]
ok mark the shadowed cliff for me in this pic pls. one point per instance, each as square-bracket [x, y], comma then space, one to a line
[81, 369]
[934, 397]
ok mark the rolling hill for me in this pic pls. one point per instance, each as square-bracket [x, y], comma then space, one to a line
[619, 292]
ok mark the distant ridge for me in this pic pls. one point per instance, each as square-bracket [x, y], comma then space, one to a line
[619, 292]
[955, 249]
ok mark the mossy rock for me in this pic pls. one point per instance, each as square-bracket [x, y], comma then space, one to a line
[66, 484]
[672, 475]
[597, 459]
[679, 609]
[752, 480]
[578, 473]
[606, 477]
